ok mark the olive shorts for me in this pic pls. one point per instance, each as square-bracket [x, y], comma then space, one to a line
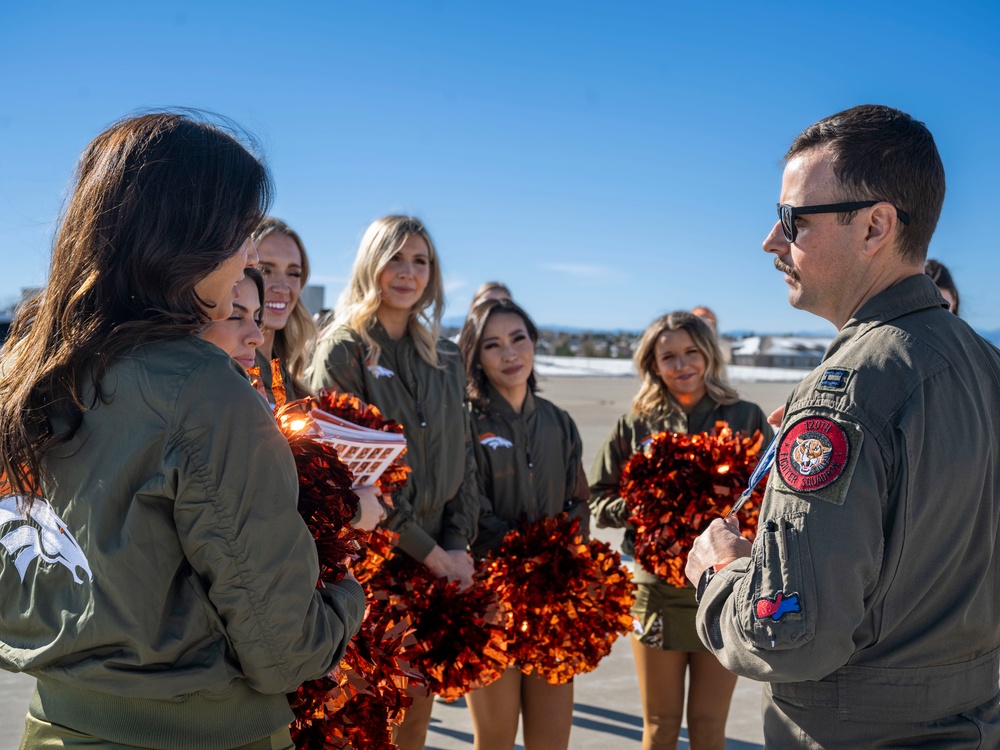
[664, 617]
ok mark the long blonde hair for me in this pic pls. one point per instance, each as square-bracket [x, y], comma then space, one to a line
[360, 300]
[293, 344]
[653, 398]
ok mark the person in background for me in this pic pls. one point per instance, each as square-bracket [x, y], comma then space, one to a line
[490, 290]
[290, 332]
[708, 316]
[384, 346]
[529, 465]
[164, 590]
[868, 601]
[941, 277]
[683, 390]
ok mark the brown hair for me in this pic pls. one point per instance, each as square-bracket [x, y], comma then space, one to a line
[476, 382]
[653, 398]
[292, 344]
[879, 153]
[159, 202]
[486, 288]
[941, 276]
[257, 278]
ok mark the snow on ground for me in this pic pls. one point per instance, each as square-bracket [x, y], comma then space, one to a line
[549, 366]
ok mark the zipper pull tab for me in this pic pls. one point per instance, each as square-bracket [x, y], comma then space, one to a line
[528, 454]
[420, 414]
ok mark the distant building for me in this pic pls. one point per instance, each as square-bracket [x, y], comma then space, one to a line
[804, 352]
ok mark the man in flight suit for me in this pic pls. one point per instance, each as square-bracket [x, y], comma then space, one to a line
[870, 600]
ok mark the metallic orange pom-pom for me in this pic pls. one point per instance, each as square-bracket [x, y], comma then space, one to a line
[569, 599]
[677, 484]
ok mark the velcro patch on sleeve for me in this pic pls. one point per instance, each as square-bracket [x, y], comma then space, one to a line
[814, 453]
[835, 379]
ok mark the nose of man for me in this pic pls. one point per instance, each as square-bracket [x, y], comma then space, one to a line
[775, 241]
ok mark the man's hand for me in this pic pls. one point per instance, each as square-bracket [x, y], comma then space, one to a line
[455, 565]
[718, 546]
[776, 416]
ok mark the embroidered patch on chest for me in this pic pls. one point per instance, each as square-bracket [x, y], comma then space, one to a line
[813, 454]
[379, 372]
[494, 441]
[778, 607]
[835, 379]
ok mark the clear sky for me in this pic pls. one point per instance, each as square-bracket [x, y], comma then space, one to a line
[609, 161]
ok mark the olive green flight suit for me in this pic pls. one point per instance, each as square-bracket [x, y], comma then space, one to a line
[870, 603]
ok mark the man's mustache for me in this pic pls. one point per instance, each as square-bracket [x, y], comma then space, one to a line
[784, 268]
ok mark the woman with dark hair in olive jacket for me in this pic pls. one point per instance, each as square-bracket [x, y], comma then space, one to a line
[529, 467]
[155, 576]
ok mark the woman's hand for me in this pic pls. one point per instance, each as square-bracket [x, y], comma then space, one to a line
[776, 416]
[455, 565]
[370, 504]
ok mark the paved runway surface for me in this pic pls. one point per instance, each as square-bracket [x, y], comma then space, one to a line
[606, 715]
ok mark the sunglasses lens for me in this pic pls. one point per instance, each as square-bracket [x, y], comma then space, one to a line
[787, 222]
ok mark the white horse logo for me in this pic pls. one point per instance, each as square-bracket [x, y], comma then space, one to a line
[495, 441]
[40, 533]
[380, 372]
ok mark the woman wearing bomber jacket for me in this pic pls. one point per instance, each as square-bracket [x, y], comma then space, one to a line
[383, 346]
[155, 576]
[529, 460]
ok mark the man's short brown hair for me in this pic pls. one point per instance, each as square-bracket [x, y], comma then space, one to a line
[880, 153]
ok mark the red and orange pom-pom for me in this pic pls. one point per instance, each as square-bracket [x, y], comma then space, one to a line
[570, 599]
[677, 484]
[459, 638]
[353, 409]
[326, 501]
[356, 705]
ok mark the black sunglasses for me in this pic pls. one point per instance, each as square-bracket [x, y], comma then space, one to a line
[788, 213]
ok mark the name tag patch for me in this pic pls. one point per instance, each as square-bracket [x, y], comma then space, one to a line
[813, 454]
[835, 379]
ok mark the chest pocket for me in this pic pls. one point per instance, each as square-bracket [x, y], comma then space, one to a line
[778, 600]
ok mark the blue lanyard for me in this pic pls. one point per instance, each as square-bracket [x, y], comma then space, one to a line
[763, 466]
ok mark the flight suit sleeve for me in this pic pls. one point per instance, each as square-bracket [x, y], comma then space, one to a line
[789, 612]
[461, 512]
[235, 490]
[606, 503]
[577, 490]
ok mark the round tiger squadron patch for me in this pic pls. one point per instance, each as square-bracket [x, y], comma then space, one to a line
[813, 454]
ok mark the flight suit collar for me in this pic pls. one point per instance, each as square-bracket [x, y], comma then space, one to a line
[917, 292]
[501, 406]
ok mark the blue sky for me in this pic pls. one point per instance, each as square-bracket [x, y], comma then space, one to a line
[609, 161]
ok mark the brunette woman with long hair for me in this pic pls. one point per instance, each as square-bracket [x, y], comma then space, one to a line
[683, 389]
[162, 588]
[384, 346]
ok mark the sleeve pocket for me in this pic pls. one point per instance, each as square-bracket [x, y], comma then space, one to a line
[777, 601]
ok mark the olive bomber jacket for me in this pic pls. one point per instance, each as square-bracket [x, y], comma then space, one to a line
[529, 466]
[167, 561]
[438, 504]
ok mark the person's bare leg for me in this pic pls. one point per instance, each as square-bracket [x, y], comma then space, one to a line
[412, 733]
[548, 713]
[709, 695]
[496, 710]
[661, 686]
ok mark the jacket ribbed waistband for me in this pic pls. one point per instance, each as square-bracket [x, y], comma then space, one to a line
[196, 722]
[884, 694]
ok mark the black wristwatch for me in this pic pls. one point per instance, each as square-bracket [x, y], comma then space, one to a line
[706, 576]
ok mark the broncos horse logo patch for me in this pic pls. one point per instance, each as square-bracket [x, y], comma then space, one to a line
[379, 372]
[40, 533]
[494, 441]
